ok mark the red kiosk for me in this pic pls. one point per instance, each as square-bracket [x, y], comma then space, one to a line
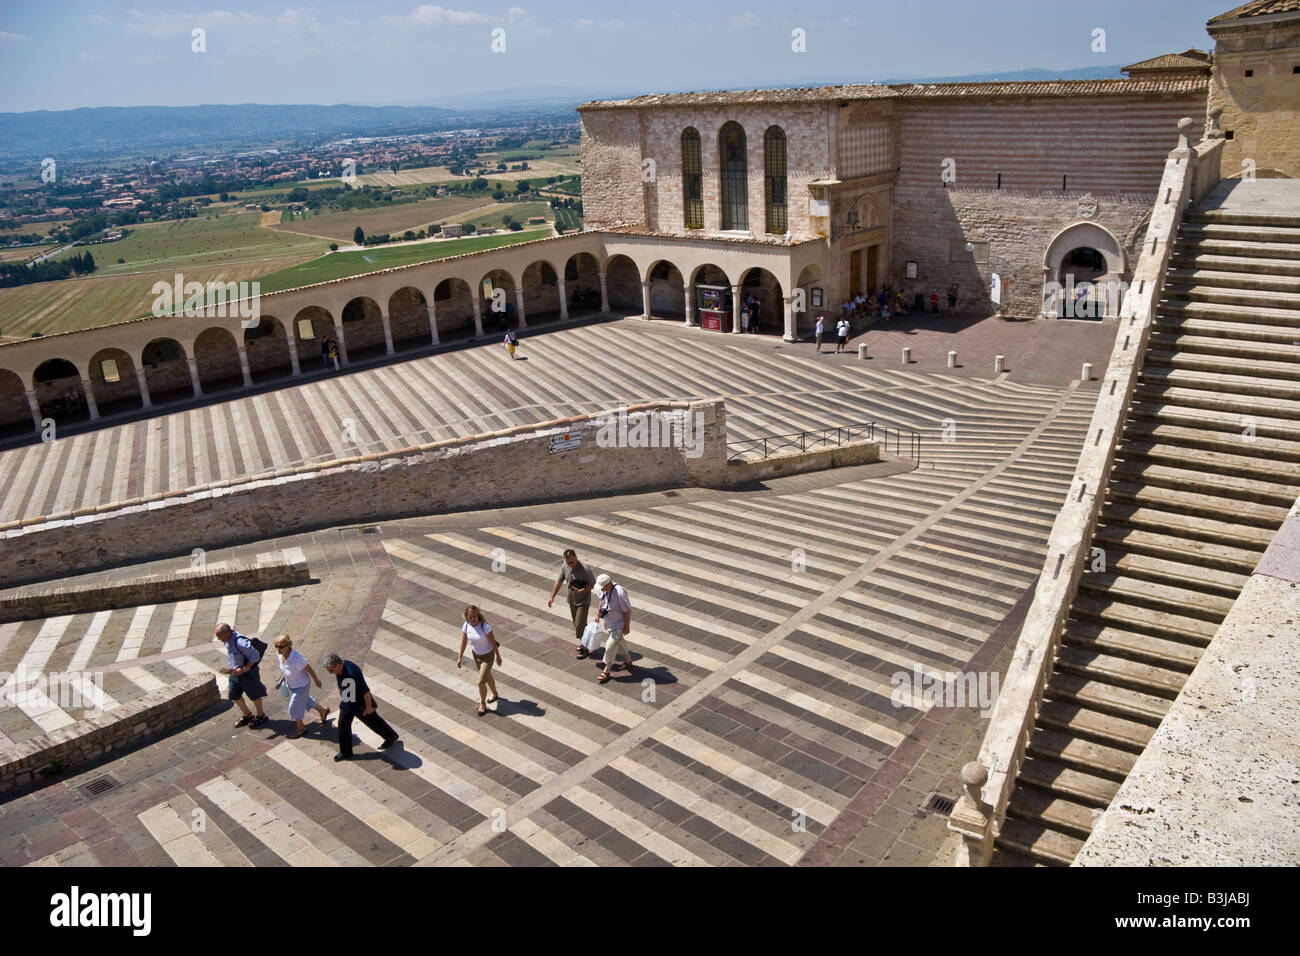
[714, 305]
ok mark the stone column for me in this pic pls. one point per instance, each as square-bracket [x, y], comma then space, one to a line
[564, 300]
[478, 315]
[604, 294]
[645, 299]
[343, 345]
[292, 338]
[145, 400]
[690, 306]
[432, 309]
[519, 307]
[194, 376]
[735, 309]
[243, 366]
[388, 333]
[90, 399]
[35, 407]
[790, 329]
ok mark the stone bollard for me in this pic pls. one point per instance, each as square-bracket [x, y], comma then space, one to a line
[862, 350]
[952, 359]
[1086, 374]
[907, 356]
[999, 364]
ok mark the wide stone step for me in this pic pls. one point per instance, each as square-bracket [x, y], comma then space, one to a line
[1173, 548]
[1197, 459]
[1272, 493]
[1215, 420]
[1228, 295]
[1237, 218]
[1174, 655]
[1179, 280]
[1143, 620]
[1008, 858]
[1148, 393]
[1081, 754]
[1193, 259]
[1233, 313]
[1098, 695]
[1187, 502]
[1240, 445]
[1231, 367]
[1061, 778]
[1038, 842]
[1051, 810]
[1234, 350]
[1145, 567]
[1234, 331]
[1168, 598]
[1094, 724]
[1198, 230]
[1280, 390]
[1247, 248]
[1122, 672]
[1192, 527]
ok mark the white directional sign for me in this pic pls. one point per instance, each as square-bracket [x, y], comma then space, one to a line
[565, 442]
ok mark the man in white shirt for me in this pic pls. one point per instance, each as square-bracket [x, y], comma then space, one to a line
[841, 335]
[821, 327]
[615, 616]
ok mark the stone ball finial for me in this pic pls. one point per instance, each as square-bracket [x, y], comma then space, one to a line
[974, 774]
[1216, 111]
[1184, 130]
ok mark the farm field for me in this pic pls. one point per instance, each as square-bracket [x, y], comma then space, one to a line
[519, 211]
[339, 265]
[562, 166]
[23, 253]
[566, 219]
[393, 219]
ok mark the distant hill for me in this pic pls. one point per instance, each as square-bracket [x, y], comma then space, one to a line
[114, 129]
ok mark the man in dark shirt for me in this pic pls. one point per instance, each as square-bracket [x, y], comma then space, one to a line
[580, 583]
[355, 701]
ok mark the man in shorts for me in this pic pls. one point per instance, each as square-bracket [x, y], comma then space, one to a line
[243, 661]
[841, 335]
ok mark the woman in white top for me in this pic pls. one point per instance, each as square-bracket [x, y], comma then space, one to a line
[297, 674]
[477, 633]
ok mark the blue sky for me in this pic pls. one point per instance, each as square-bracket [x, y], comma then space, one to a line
[62, 54]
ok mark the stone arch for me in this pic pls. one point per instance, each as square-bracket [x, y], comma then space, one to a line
[57, 384]
[166, 371]
[363, 328]
[623, 285]
[1058, 287]
[454, 302]
[710, 305]
[667, 290]
[217, 358]
[15, 413]
[540, 282]
[408, 318]
[805, 320]
[500, 312]
[582, 283]
[762, 285]
[310, 325]
[113, 381]
[267, 350]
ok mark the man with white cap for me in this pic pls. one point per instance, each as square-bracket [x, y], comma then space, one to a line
[615, 616]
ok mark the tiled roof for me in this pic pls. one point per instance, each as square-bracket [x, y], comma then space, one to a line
[1258, 8]
[877, 91]
[1188, 61]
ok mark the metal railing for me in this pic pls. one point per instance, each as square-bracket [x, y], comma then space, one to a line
[768, 445]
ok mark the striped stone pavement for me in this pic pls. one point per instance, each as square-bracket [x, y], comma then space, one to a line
[759, 728]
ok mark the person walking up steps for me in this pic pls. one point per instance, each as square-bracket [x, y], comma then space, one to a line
[243, 659]
[615, 617]
[298, 676]
[580, 583]
[356, 703]
[477, 633]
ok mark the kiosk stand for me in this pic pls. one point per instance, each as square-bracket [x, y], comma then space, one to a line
[714, 306]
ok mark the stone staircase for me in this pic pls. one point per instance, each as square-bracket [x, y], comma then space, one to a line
[1207, 468]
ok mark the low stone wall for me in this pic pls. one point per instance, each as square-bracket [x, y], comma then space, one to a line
[158, 712]
[236, 577]
[797, 463]
[514, 466]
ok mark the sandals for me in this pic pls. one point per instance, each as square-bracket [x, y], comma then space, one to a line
[603, 678]
[482, 711]
[582, 653]
[493, 699]
[244, 721]
[297, 733]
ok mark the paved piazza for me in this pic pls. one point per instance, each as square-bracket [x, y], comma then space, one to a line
[768, 735]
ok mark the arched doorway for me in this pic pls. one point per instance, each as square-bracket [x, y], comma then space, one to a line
[15, 414]
[408, 318]
[455, 306]
[623, 285]
[113, 382]
[311, 325]
[1083, 269]
[760, 287]
[166, 371]
[711, 298]
[267, 350]
[363, 329]
[217, 358]
[667, 291]
[59, 394]
[806, 306]
[582, 284]
[497, 292]
[541, 293]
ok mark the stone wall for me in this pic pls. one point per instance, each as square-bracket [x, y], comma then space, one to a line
[506, 468]
[237, 577]
[1262, 110]
[612, 190]
[800, 462]
[165, 709]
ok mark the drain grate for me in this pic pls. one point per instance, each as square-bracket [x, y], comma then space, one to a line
[938, 803]
[99, 786]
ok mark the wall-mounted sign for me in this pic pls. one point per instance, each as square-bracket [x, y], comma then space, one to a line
[911, 270]
[995, 288]
[565, 442]
[819, 207]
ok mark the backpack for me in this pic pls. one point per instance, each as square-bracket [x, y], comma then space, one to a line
[258, 645]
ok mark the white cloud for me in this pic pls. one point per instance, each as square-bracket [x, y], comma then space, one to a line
[431, 15]
[747, 19]
[583, 23]
[180, 24]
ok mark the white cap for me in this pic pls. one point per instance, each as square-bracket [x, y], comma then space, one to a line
[602, 580]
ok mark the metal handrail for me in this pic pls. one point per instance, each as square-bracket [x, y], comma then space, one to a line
[768, 445]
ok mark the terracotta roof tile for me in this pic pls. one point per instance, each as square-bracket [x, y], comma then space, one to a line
[1258, 8]
[1185, 62]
